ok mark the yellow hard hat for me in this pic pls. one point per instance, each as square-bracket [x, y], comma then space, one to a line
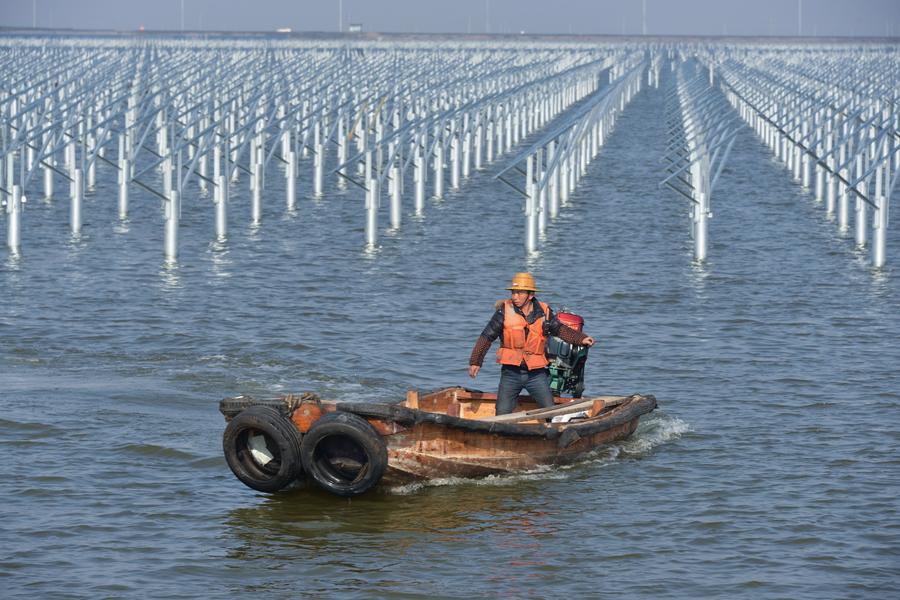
[523, 281]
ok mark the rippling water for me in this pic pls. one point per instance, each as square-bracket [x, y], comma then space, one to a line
[769, 470]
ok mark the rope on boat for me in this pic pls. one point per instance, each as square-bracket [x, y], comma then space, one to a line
[231, 407]
[292, 402]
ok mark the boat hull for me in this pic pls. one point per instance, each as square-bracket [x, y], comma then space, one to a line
[349, 447]
[429, 451]
[434, 438]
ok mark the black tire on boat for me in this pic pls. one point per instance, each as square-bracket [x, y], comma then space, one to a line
[267, 431]
[343, 454]
[232, 407]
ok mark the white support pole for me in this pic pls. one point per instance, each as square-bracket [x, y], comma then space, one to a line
[396, 206]
[564, 181]
[13, 220]
[256, 202]
[75, 207]
[438, 170]
[372, 212]
[419, 179]
[553, 190]
[541, 205]
[514, 125]
[319, 168]
[542, 209]
[342, 148]
[880, 218]
[203, 170]
[701, 212]
[68, 156]
[172, 215]
[167, 175]
[531, 225]
[217, 162]
[285, 135]
[829, 193]
[479, 140]
[221, 201]
[575, 167]
[805, 158]
[843, 203]
[820, 182]
[92, 168]
[290, 175]
[860, 206]
[699, 208]
[466, 154]
[454, 162]
[48, 180]
[178, 171]
[124, 176]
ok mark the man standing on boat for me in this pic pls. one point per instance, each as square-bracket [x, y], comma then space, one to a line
[524, 322]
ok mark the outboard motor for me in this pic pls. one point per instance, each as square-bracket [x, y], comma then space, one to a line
[567, 360]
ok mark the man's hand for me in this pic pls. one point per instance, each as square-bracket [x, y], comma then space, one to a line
[473, 370]
[588, 341]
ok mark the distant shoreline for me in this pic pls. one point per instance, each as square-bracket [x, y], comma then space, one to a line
[467, 37]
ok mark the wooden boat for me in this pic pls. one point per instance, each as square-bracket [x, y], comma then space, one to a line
[349, 447]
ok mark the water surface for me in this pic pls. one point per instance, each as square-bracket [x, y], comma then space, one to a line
[770, 469]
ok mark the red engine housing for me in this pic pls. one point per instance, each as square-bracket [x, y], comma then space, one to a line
[570, 320]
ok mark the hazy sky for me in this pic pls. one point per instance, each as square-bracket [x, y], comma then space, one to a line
[679, 17]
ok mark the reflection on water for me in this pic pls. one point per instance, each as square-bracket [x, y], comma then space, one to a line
[122, 226]
[13, 264]
[699, 276]
[220, 263]
[371, 252]
[306, 521]
[169, 276]
[77, 243]
[881, 279]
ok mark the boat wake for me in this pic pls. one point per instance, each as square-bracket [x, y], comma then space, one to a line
[654, 431]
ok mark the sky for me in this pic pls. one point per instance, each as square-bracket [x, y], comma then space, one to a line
[663, 17]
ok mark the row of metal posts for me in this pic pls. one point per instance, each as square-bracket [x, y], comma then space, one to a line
[506, 125]
[478, 135]
[172, 165]
[702, 138]
[821, 137]
[840, 146]
[77, 188]
[557, 162]
[698, 156]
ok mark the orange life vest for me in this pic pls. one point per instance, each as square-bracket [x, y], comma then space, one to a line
[516, 346]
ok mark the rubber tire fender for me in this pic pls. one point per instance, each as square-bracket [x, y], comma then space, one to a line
[337, 436]
[282, 439]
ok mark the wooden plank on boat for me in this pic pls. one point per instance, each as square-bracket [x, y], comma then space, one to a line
[545, 413]
[466, 395]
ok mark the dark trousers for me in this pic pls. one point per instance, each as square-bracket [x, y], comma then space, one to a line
[514, 379]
